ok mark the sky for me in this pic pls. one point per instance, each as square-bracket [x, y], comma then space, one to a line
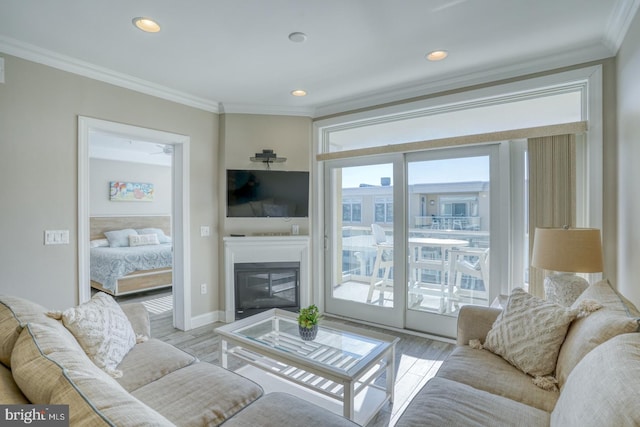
[423, 172]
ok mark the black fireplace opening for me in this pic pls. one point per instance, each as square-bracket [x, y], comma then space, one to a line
[260, 286]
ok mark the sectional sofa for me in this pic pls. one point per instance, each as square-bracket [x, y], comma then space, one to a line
[154, 384]
[596, 365]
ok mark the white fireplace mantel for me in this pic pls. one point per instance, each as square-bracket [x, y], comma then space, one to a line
[265, 249]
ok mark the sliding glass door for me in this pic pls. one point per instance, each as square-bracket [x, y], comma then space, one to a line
[449, 216]
[410, 237]
[363, 215]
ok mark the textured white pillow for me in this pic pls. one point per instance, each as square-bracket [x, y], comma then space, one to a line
[99, 243]
[529, 332]
[143, 239]
[103, 331]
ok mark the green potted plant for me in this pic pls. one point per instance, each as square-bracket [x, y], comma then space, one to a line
[308, 322]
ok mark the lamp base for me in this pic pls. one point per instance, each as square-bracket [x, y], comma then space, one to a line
[564, 288]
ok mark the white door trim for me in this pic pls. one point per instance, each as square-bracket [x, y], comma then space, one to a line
[180, 209]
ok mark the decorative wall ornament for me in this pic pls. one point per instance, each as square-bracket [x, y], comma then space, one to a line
[120, 191]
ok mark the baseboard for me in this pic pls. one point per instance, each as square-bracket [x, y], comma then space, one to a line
[207, 319]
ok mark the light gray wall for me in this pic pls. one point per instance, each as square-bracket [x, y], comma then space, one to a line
[39, 109]
[244, 135]
[628, 172]
[102, 172]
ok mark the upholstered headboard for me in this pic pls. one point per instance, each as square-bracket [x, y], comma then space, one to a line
[99, 224]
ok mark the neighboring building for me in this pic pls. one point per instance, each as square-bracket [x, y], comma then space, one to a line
[443, 206]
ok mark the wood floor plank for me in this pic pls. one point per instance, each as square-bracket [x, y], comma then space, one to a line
[417, 358]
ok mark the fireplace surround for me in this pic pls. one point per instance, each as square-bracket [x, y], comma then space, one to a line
[265, 249]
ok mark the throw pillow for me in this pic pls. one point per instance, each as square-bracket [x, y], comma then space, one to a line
[143, 240]
[102, 330]
[119, 238]
[162, 238]
[529, 332]
[615, 318]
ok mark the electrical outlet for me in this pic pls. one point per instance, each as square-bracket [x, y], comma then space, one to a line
[203, 288]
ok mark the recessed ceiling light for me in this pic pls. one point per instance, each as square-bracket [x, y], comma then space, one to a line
[299, 92]
[437, 55]
[147, 25]
[298, 37]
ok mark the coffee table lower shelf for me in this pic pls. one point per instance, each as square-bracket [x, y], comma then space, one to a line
[365, 402]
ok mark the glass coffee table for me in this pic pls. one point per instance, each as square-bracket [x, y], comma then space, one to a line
[342, 362]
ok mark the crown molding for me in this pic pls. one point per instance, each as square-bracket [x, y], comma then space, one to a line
[273, 110]
[402, 94]
[85, 69]
[619, 23]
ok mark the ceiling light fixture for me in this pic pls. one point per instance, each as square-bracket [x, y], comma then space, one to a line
[299, 92]
[147, 25]
[437, 55]
[298, 37]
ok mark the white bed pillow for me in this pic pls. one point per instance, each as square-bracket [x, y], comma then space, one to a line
[102, 330]
[99, 243]
[143, 240]
[162, 238]
[119, 238]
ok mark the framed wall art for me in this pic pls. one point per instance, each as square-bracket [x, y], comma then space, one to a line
[120, 191]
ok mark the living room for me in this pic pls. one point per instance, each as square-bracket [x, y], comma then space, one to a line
[40, 104]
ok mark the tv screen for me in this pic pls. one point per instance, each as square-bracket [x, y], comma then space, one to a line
[267, 193]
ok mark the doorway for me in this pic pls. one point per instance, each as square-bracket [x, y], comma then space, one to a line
[179, 207]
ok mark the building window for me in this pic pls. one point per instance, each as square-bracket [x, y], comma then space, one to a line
[352, 210]
[383, 209]
[454, 209]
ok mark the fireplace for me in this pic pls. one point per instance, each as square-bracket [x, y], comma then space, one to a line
[260, 286]
[267, 250]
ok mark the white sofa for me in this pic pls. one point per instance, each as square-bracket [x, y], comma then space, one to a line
[597, 369]
[41, 362]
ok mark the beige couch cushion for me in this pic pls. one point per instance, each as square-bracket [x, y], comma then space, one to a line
[443, 402]
[9, 331]
[149, 361]
[139, 317]
[14, 314]
[52, 370]
[194, 405]
[486, 371]
[529, 333]
[285, 410]
[10, 393]
[617, 316]
[602, 390]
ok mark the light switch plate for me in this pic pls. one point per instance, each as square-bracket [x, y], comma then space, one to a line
[56, 237]
[205, 231]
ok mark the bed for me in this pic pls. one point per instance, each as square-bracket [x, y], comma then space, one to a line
[120, 266]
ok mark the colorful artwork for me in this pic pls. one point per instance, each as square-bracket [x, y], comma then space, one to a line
[130, 191]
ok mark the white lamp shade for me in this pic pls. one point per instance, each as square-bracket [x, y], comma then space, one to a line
[576, 250]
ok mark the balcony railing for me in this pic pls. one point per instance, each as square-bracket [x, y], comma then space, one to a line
[444, 222]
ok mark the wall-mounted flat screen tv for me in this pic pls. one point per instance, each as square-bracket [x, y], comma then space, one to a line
[267, 193]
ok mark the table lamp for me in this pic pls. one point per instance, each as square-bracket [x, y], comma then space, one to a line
[566, 251]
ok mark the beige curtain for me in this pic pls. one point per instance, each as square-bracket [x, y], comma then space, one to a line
[552, 191]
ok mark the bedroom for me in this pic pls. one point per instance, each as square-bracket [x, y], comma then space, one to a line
[130, 216]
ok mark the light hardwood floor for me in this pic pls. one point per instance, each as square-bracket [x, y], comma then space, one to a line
[417, 358]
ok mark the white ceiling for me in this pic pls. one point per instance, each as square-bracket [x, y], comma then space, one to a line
[235, 55]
